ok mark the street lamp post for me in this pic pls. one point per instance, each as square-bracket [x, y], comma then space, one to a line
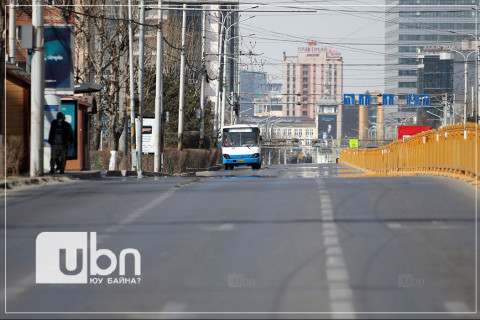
[465, 60]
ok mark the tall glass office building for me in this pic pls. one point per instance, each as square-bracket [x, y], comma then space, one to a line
[413, 26]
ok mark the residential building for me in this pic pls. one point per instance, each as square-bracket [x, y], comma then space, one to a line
[315, 74]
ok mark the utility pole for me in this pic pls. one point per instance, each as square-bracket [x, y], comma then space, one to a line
[12, 32]
[141, 59]
[219, 78]
[37, 94]
[132, 87]
[445, 102]
[123, 141]
[182, 80]
[224, 89]
[204, 71]
[465, 99]
[157, 128]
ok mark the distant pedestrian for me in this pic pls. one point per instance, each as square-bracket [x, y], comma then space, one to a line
[61, 134]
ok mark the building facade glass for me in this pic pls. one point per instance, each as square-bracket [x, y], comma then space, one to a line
[413, 25]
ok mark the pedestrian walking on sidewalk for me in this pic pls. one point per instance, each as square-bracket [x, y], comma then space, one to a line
[61, 134]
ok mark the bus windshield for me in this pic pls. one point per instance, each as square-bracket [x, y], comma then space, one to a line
[240, 139]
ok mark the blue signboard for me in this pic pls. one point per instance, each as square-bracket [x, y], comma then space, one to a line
[418, 100]
[349, 99]
[59, 59]
[364, 99]
[424, 99]
[388, 99]
[412, 100]
[69, 109]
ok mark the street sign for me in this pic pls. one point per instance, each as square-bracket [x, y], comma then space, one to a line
[364, 99]
[424, 99]
[349, 99]
[412, 100]
[388, 99]
[418, 100]
[353, 143]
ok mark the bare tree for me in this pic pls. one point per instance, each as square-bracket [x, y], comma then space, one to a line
[100, 40]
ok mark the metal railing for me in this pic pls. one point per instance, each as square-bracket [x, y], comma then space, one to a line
[450, 150]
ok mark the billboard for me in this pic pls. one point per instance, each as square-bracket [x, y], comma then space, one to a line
[59, 44]
[327, 126]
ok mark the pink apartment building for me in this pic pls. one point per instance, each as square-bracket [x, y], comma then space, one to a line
[315, 75]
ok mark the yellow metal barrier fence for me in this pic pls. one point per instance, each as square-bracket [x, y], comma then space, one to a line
[450, 151]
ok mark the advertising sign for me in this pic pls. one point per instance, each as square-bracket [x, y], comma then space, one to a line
[148, 141]
[327, 125]
[69, 109]
[59, 44]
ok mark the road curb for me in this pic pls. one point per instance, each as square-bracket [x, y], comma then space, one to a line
[85, 175]
[12, 184]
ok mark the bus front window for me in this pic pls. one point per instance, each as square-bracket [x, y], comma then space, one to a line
[249, 139]
[232, 139]
[240, 139]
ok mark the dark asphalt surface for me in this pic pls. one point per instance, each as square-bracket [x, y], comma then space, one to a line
[282, 242]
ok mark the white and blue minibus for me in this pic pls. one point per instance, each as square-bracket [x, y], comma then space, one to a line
[241, 146]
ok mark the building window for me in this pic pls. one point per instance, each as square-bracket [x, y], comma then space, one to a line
[407, 84]
[407, 73]
[409, 61]
[305, 106]
[305, 73]
[293, 113]
[298, 132]
[305, 113]
[288, 113]
[309, 132]
[305, 86]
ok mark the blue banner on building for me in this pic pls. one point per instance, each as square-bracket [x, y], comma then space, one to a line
[59, 59]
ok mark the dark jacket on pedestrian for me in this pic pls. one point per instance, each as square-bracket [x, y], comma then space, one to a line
[64, 130]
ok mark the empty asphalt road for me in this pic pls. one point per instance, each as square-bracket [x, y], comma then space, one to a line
[283, 241]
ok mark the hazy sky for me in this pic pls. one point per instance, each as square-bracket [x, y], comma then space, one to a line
[355, 28]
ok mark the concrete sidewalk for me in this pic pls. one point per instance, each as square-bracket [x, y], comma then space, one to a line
[72, 176]
[69, 176]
